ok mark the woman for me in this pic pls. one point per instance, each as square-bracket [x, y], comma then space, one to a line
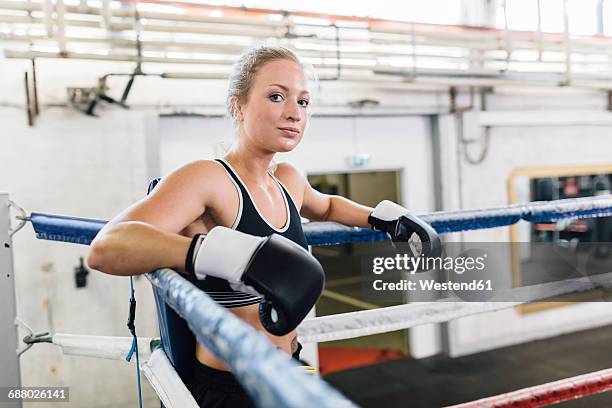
[268, 99]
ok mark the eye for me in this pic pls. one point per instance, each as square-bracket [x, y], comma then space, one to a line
[304, 103]
[276, 97]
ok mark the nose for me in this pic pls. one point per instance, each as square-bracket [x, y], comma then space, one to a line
[293, 112]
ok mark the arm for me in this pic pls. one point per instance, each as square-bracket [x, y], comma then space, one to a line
[323, 207]
[396, 221]
[145, 236]
[388, 217]
[317, 206]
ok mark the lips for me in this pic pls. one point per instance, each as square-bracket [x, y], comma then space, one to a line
[289, 131]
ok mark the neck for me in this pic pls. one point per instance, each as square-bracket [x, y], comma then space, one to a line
[251, 164]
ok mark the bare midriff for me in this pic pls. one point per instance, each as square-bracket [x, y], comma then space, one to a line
[250, 315]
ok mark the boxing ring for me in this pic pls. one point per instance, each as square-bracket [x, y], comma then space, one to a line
[256, 363]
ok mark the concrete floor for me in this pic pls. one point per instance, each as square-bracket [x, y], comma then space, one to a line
[440, 381]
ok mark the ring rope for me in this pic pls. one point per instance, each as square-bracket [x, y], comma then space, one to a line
[83, 230]
[549, 393]
[367, 322]
[107, 347]
[354, 324]
[153, 361]
[328, 233]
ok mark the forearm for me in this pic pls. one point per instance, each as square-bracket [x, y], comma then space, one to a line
[134, 248]
[348, 212]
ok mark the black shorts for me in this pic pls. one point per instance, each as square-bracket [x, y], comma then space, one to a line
[212, 388]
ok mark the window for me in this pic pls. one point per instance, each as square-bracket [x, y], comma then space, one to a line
[523, 15]
[607, 18]
[582, 16]
[433, 11]
[552, 15]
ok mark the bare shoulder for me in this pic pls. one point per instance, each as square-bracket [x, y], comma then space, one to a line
[201, 179]
[292, 179]
[288, 171]
[180, 197]
[197, 170]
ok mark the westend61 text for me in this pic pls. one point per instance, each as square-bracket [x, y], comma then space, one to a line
[431, 284]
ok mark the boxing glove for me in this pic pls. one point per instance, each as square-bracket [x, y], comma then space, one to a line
[286, 275]
[403, 226]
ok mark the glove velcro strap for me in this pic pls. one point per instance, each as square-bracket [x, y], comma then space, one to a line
[380, 225]
[225, 253]
[193, 247]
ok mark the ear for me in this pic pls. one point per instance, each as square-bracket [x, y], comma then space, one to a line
[236, 109]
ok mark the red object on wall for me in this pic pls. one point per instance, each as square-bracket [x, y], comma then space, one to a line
[570, 187]
[333, 359]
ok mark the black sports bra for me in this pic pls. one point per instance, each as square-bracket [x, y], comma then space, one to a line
[250, 221]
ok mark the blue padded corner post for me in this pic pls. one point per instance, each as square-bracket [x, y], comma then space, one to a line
[177, 340]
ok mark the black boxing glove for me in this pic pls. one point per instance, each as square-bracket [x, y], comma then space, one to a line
[403, 226]
[288, 277]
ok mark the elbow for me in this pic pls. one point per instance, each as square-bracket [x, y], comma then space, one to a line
[325, 216]
[98, 255]
[106, 249]
[328, 211]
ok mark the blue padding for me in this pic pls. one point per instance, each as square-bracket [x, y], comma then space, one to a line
[177, 340]
[65, 229]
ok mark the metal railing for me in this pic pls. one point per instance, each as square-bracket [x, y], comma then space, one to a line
[340, 47]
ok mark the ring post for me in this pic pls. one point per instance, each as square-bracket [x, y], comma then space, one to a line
[9, 374]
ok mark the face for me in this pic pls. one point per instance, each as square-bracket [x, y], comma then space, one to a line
[275, 114]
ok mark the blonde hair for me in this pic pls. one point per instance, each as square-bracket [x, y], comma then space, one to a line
[247, 66]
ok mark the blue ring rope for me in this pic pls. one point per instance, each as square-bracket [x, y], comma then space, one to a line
[83, 230]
